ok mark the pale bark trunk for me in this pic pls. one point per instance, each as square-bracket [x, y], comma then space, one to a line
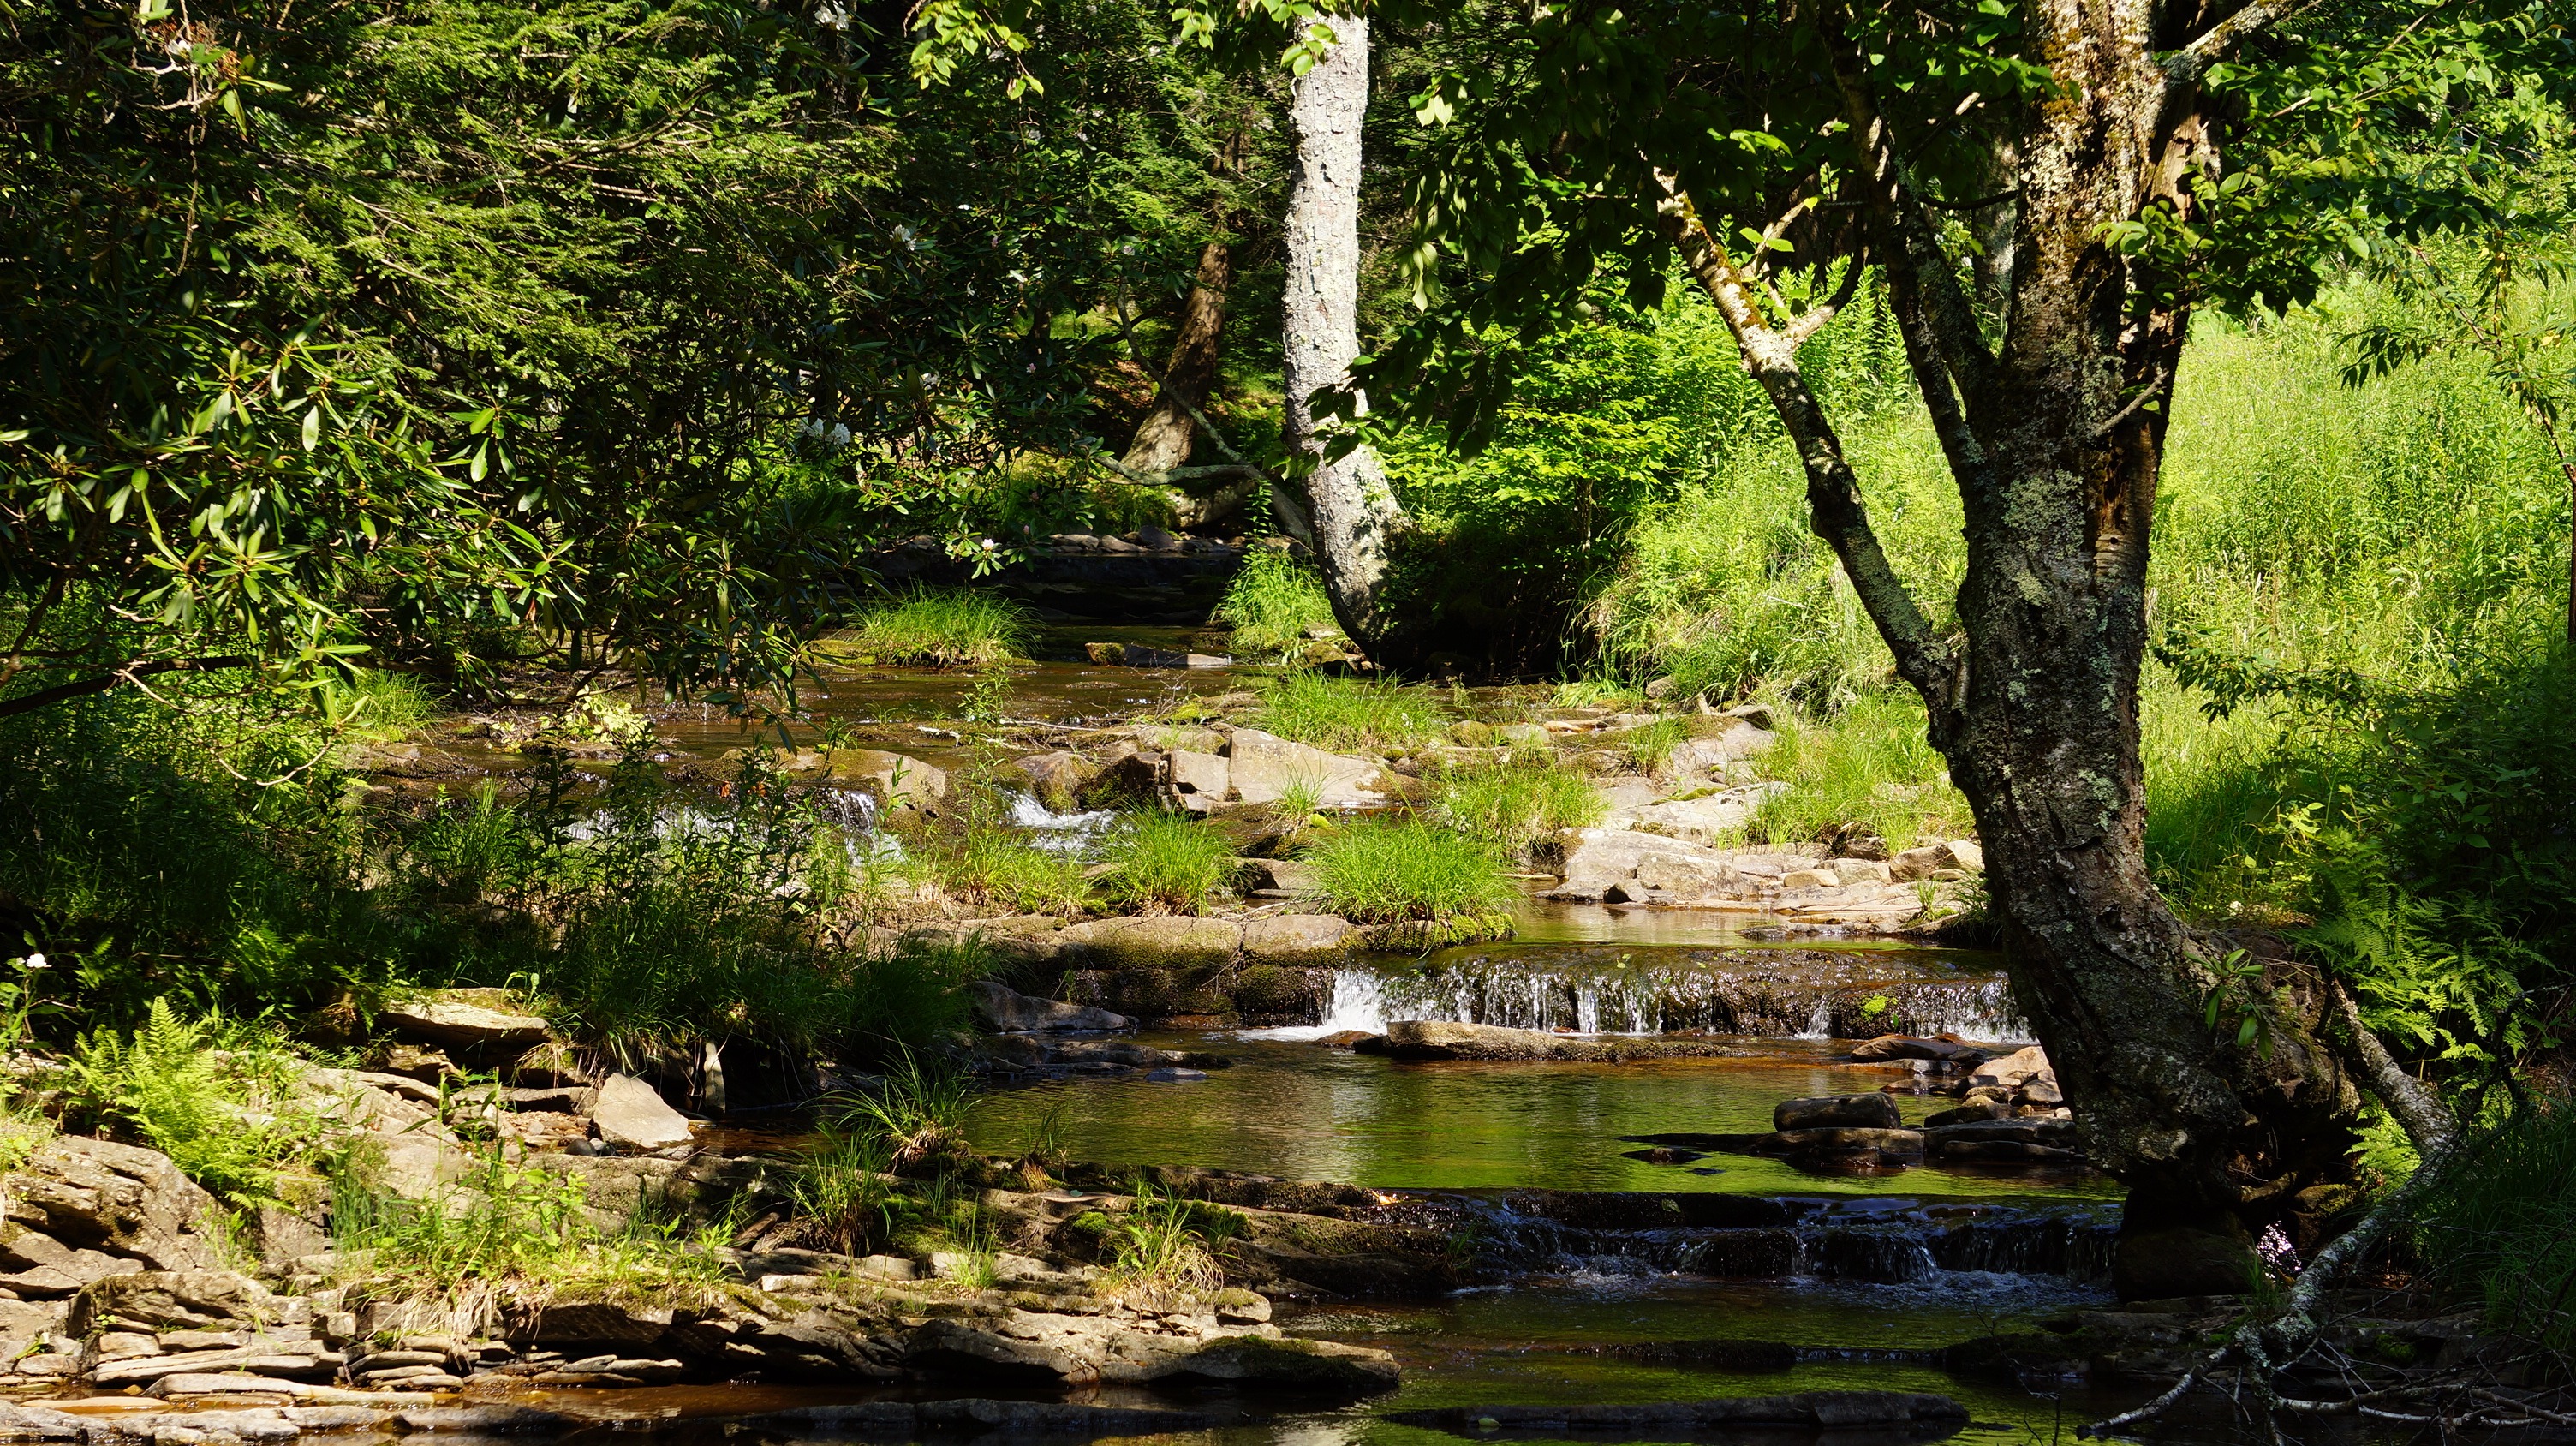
[1352, 508]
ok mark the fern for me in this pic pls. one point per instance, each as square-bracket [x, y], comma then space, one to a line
[215, 1111]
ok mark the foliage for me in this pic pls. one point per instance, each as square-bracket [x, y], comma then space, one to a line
[1349, 714]
[1275, 604]
[1162, 1248]
[945, 626]
[213, 1096]
[843, 1185]
[918, 1110]
[1869, 766]
[1650, 745]
[1518, 804]
[993, 865]
[2502, 1222]
[1168, 861]
[1384, 871]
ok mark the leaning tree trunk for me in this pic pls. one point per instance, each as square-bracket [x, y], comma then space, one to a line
[2055, 442]
[1162, 440]
[1353, 509]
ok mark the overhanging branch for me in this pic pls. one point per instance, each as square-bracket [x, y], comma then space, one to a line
[115, 678]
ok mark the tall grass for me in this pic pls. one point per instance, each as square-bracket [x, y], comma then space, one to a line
[2502, 1222]
[1519, 804]
[1871, 765]
[1350, 714]
[1274, 605]
[1168, 861]
[1388, 871]
[948, 627]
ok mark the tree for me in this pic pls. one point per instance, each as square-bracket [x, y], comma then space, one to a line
[2156, 157]
[1347, 494]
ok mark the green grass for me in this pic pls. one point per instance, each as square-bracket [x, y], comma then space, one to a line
[843, 1188]
[996, 867]
[2502, 1223]
[946, 627]
[918, 1111]
[1517, 805]
[1385, 871]
[1161, 1250]
[1273, 604]
[1350, 714]
[1651, 746]
[1168, 861]
[1871, 765]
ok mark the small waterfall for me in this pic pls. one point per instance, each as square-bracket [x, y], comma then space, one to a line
[1355, 1000]
[1775, 994]
[1059, 832]
[852, 813]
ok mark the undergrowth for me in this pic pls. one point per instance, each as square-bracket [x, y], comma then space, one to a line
[1384, 871]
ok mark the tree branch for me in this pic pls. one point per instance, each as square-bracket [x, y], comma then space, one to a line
[2429, 1124]
[1834, 506]
[47, 697]
[2187, 65]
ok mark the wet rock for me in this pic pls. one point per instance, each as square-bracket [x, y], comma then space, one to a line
[1298, 938]
[894, 780]
[1442, 1039]
[1166, 942]
[1056, 777]
[1012, 1420]
[1036, 1052]
[117, 1199]
[1013, 1012]
[1288, 1363]
[631, 1115]
[1867, 1112]
[2015, 1070]
[1670, 1420]
[466, 1019]
[1907, 1046]
[1346, 1038]
[2157, 1260]
[1903, 1144]
[1263, 767]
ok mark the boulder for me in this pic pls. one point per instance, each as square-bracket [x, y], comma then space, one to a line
[1326, 1367]
[1286, 876]
[465, 1019]
[1298, 938]
[631, 1115]
[895, 780]
[1706, 820]
[1169, 942]
[1904, 1144]
[1037, 1052]
[1907, 1046]
[2161, 1260]
[1056, 777]
[2015, 1070]
[1263, 768]
[166, 1300]
[122, 1200]
[1935, 858]
[1866, 1112]
[1810, 879]
[1685, 877]
[1198, 781]
[1012, 1012]
[1860, 871]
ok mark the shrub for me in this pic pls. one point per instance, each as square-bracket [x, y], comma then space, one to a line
[1517, 805]
[948, 627]
[1349, 714]
[1379, 872]
[1168, 861]
[1273, 603]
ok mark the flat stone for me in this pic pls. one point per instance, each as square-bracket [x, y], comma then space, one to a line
[1008, 1010]
[1907, 1143]
[1262, 767]
[1198, 781]
[1807, 1411]
[1161, 942]
[1709, 820]
[1908, 1046]
[171, 1299]
[631, 1115]
[455, 1022]
[1298, 938]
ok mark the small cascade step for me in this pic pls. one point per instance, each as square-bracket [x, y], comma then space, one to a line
[1765, 993]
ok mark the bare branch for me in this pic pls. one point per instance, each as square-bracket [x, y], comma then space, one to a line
[1815, 318]
[117, 678]
[2187, 65]
[2429, 1124]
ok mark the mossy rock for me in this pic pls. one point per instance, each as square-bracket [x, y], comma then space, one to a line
[1413, 936]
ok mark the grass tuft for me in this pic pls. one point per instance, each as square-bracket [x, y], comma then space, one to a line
[1518, 805]
[1872, 766]
[1382, 872]
[1350, 714]
[1162, 1250]
[945, 627]
[1168, 861]
[2502, 1222]
[1274, 604]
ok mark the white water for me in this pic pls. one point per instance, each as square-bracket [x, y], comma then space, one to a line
[1059, 832]
[1357, 1000]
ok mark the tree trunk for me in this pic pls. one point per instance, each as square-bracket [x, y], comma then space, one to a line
[1353, 510]
[1162, 440]
[2055, 443]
